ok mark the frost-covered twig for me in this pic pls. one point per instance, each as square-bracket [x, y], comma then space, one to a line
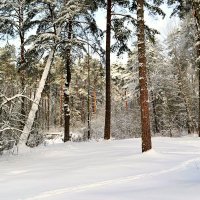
[10, 128]
[12, 98]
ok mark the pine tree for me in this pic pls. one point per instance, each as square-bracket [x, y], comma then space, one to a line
[146, 132]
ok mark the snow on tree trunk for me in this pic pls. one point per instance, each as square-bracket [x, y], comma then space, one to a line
[31, 117]
[67, 85]
[145, 121]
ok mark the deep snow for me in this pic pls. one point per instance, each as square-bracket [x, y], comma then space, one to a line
[105, 170]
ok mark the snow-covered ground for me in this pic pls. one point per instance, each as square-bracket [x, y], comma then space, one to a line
[106, 170]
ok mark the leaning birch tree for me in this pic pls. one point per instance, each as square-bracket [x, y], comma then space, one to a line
[31, 117]
[47, 38]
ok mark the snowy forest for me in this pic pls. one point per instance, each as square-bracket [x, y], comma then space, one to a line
[60, 78]
[67, 80]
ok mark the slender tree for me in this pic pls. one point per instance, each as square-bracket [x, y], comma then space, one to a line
[67, 83]
[88, 94]
[107, 133]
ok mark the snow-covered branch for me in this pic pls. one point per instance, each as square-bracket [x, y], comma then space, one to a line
[12, 98]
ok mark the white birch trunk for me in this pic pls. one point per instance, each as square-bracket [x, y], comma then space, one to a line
[34, 108]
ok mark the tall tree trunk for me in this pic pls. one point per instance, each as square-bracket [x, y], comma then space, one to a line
[83, 113]
[145, 121]
[22, 61]
[67, 85]
[107, 128]
[61, 105]
[88, 100]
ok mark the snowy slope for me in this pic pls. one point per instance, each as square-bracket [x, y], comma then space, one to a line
[106, 170]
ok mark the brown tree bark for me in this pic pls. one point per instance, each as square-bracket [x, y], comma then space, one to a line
[67, 85]
[107, 132]
[145, 121]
